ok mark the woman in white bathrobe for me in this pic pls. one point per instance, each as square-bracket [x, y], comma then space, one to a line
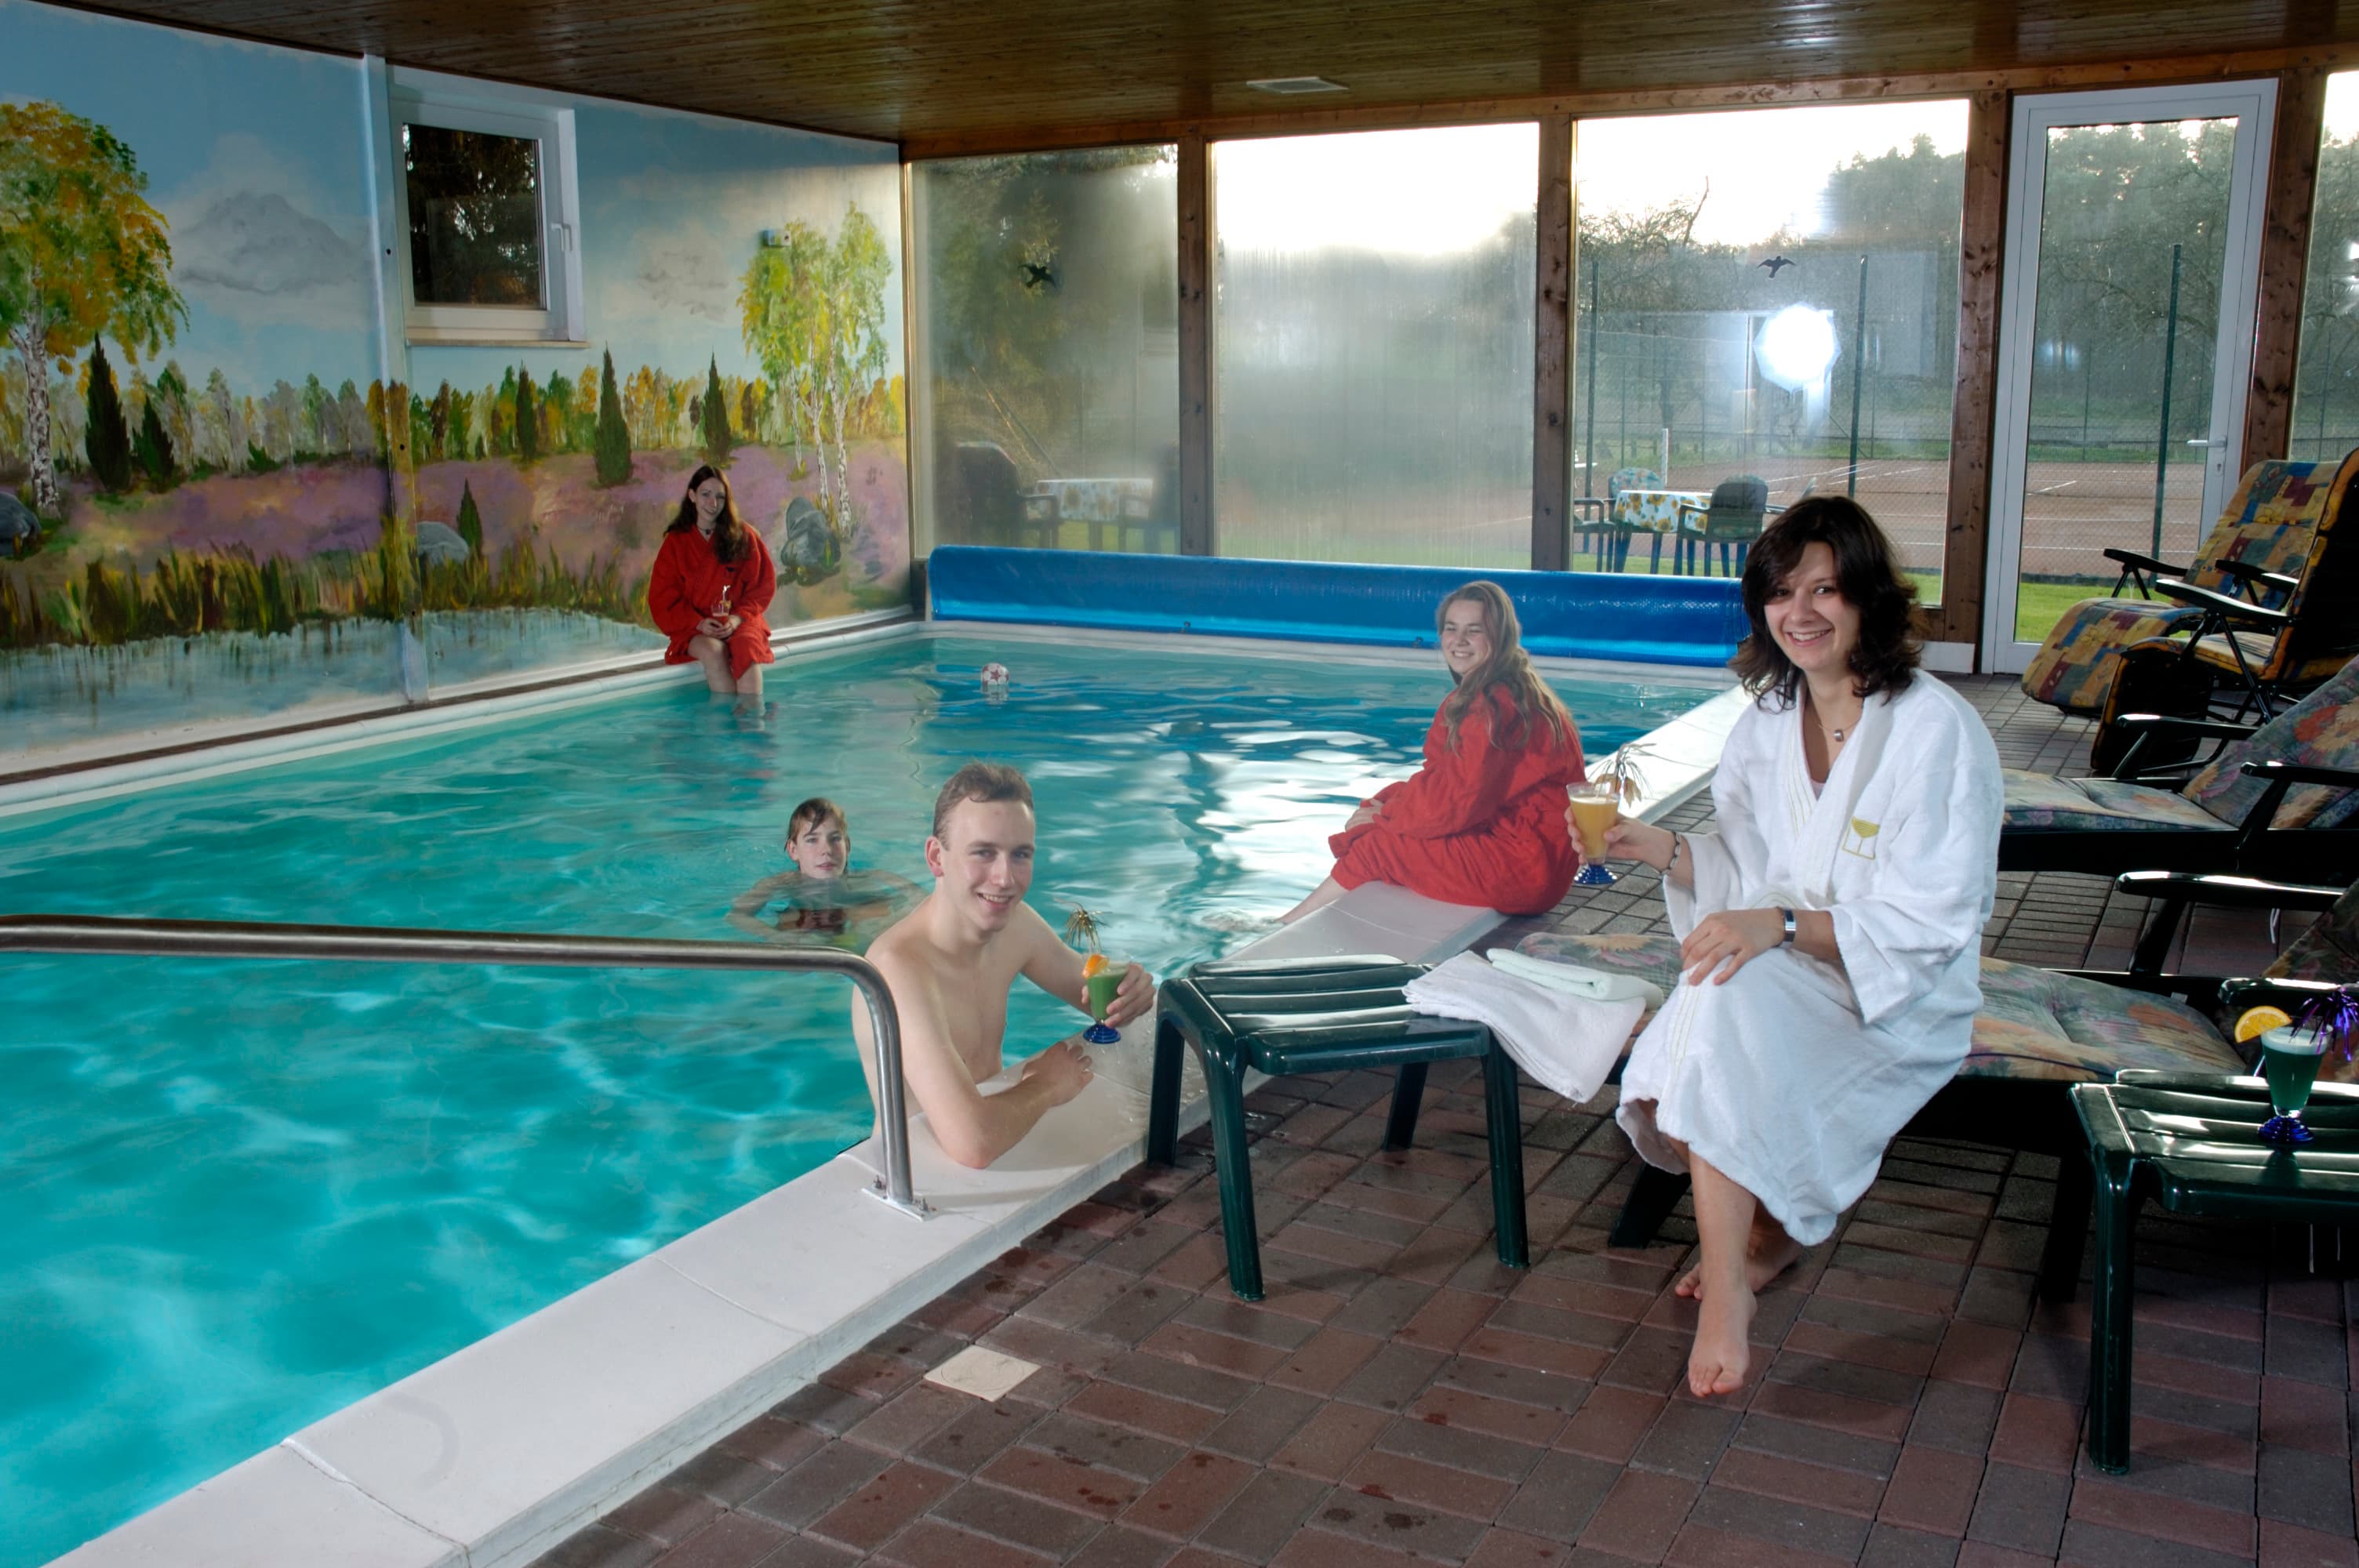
[1829, 928]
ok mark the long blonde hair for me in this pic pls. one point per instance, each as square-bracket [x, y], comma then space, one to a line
[1508, 671]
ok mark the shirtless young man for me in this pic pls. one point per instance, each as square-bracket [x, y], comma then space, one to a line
[951, 961]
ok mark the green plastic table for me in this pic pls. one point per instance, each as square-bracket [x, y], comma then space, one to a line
[2187, 1140]
[1319, 1015]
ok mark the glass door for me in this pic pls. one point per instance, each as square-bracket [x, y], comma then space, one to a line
[2133, 227]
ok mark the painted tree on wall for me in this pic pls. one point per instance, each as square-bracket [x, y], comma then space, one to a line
[106, 441]
[813, 317]
[81, 254]
[613, 442]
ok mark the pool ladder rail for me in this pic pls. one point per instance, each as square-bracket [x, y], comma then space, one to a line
[392, 945]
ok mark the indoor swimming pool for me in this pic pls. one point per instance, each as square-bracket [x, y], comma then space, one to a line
[238, 1197]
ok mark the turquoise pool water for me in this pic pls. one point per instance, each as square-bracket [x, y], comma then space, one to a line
[235, 1197]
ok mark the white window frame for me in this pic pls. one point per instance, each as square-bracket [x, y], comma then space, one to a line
[426, 99]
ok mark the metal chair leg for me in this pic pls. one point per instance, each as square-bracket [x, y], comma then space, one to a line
[1409, 1090]
[1503, 1110]
[1652, 1197]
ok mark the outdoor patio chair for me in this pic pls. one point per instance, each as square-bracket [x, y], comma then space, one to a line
[2041, 1030]
[2280, 798]
[1613, 538]
[1732, 520]
[2258, 541]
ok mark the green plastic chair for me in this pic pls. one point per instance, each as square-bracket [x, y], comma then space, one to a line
[1319, 1015]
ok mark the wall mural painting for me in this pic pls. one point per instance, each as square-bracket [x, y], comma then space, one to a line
[210, 511]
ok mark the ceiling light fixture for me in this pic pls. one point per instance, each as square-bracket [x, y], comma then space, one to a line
[1289, 86]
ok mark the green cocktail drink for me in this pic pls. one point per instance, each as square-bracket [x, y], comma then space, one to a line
[1098, 989]
[2289, 1058]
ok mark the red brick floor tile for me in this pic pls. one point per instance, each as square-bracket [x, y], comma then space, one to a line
[1446, 1319]
[2154, 1438]
[1513, 1549]
[1609, 1423]
[2041, 1433]
[1189, 1494]
[1641, 1516]
[1885, 1290]
[733, 1540]
[1536, 1354]
[1977, 1353]
[1698, 1546]
[2291, 1546]
[1394, 1523]
[909, 1417]
[1795, 1481]
[1931, 1490]
[930, 1543]
[873, 1514]
[2306, 1415]
[1296, 1301]
[1334, 1246]
[1194, 1264]
[1067, 1482]
[1983, 1555]
[1876, 1351]
[1464, 1410]
[1864, 1418]
[1319, 1548]
[1327, 1444]
[980, 1509]
[1397, 1478]
[1593, 1296]
[1326, 1361]
[2202, 1377]
[1143, 1411]
[664, 1515]
[2105, 1500]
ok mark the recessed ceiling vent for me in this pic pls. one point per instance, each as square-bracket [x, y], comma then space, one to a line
[1290, 86]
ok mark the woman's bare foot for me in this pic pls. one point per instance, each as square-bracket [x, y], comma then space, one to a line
[1769, 1253]
[1722, 1353]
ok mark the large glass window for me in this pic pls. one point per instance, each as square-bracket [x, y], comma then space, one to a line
[1049, 389]
[1764, 296]
[2326, 377]
[1372, 346]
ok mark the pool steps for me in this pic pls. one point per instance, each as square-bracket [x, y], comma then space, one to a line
[496, 1452]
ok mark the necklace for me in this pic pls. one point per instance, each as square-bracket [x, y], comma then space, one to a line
[1832, 733]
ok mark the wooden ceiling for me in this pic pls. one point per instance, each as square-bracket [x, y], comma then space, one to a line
[940, 75]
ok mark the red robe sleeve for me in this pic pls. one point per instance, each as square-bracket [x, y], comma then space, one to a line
[669, 602]
[1455, 791]
[758, 583]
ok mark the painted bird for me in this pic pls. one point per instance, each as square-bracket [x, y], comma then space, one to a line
[1037, 272]
[1777, 264]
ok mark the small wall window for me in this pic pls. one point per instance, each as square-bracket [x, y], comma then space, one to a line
[484, 197]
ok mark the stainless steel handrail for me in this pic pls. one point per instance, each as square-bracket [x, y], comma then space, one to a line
[391, 945]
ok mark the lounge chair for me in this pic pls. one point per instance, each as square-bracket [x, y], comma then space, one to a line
[2260, 538]
[1731, 521]
[2041, 1032]
[2281, 799]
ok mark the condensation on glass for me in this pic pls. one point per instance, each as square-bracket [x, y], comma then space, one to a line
[1765, 306]
[1048, 393]
[474, 217]
[2326, 376]
[1373, 339]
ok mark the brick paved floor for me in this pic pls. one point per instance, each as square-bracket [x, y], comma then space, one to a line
[1399, 1399]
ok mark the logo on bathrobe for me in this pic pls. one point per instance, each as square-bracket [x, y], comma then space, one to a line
[1860, 837]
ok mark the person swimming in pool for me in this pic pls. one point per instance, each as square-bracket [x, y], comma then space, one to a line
[822, 897]
[952, 960]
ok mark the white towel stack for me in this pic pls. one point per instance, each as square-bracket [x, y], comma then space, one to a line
[1574, 980]
[1568, 1041]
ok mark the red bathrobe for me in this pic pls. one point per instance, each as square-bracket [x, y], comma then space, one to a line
[685, 586]
[1479, 825]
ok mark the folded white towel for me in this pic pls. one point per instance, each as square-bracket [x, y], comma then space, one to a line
[1568, 1043]
[1574, 980]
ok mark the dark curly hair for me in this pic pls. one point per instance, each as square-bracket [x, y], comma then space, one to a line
[1885, 659]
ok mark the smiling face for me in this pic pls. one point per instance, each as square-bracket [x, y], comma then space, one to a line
[982, 862]
[821, 850]
[710, 497]
[1813, 625]
[1465, 636]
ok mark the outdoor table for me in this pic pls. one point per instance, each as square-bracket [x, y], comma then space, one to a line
[1656, 512]
[1097, 502]
[2189, 1141]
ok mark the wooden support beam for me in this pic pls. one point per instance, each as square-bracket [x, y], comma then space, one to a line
[1551, 365]
[2285, 263]
[1195, 348]
[1982, 252]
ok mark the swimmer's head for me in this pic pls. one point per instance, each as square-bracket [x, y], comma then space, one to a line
[819, 839]
[981, 851]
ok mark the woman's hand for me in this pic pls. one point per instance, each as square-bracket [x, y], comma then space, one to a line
[713, 626]
[730, 622]
[1721, 944]
[1370, 811]
[1631, 839]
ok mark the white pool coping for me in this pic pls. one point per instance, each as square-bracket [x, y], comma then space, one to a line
[496, 1452]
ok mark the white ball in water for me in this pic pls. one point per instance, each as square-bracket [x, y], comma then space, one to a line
[994, 674]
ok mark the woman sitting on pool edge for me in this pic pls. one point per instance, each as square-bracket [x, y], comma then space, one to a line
[1830, 926]
[711, 581]
[822, 897]
[1482, 822]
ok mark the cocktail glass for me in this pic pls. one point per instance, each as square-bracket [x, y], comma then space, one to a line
[2289, 1058]
[1593, 810]
[1101, 988]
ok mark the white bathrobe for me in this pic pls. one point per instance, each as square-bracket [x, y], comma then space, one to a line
[1793, 1076]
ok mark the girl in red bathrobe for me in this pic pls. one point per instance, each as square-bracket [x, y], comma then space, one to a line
[711, 581]
[1483, 821]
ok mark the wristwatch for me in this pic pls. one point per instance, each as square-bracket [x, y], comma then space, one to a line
[1789, 925]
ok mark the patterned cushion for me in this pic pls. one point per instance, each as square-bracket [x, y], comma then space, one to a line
[2320, 731]
[2267, 524]
[2329, 950]
[2040, 800]
[2035, 1026]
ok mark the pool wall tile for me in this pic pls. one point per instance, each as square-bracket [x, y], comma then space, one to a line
[250, 1512]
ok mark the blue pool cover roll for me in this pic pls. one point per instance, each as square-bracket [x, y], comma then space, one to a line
[1582, 615]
